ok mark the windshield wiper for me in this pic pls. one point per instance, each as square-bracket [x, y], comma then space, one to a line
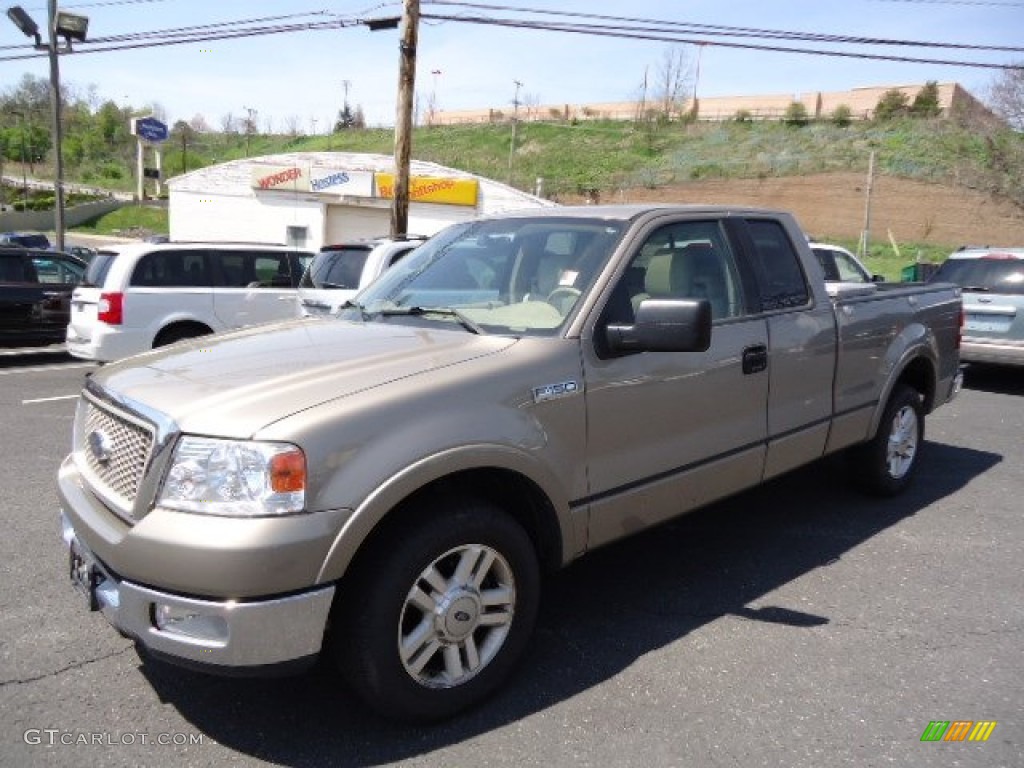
[363, 314]
[464, 321]
[976, 288]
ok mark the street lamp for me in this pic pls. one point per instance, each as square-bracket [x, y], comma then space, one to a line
[24, 178]
[70, 26]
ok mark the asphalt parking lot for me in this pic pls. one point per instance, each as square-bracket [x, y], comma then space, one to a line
[800, 624]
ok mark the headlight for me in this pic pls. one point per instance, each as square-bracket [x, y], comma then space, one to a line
[235, 478]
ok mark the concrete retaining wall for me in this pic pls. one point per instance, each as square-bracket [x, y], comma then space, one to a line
[43, 221]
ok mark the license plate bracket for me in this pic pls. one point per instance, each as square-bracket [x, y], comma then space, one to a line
[84, 574]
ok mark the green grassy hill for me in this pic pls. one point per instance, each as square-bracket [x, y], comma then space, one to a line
[611, 161]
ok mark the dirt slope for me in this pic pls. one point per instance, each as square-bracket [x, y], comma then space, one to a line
[833, 205]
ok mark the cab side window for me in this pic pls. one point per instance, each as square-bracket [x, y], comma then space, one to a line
[683, 260]
[777, 266]
[172, 269]
[57, 270]
[272, 270]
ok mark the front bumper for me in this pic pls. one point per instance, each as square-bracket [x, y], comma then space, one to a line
[228, 634]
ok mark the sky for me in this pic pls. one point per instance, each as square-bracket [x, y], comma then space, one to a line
[302, 76]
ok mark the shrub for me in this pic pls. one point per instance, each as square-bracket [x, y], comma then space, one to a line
[894, 103]
[842, 115]
[796, 114]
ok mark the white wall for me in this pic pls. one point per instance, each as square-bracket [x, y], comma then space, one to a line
[195, 216]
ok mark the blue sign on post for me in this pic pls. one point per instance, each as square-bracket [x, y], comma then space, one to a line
[150, 129]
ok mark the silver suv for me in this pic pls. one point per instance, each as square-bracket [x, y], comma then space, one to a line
[340, 271]
[992, 280]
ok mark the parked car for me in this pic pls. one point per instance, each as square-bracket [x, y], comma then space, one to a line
[25, 239]
[992, 280]
[338, 272]
[841, 266]
[386, 486]
[139, 296]
[84, 252]
[35, 295]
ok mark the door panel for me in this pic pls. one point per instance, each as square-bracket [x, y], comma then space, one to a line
[670, 431]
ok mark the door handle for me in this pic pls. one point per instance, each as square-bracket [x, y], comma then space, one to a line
[755, 358]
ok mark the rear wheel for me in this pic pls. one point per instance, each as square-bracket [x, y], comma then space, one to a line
[434, 615]
[885, 464]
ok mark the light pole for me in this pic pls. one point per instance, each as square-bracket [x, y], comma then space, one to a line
[515, 123]
[24, 177]
[70, 26]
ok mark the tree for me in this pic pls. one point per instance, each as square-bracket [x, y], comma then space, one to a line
[346, 119]
[926, 102]
[796, 114]
[199, 125]
[894, 103]
[842, 115]
[672, 81]
[1006, 95]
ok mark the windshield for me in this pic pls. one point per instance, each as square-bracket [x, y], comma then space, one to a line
[509, 276]
[336, 268]
[992, 274]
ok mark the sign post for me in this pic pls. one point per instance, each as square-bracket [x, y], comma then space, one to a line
[150, 132]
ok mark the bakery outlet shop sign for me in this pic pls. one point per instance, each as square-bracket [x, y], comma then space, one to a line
[368, 184]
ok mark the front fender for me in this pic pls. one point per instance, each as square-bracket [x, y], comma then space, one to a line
[400, 486]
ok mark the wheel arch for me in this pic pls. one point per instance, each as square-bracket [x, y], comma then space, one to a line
[533, 502]
[169, 330]
[918, 371]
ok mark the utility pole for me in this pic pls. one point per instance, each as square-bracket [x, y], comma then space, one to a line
[515, 124]
[58, 153]
[250, 126]
[866, 234]
[403, 116]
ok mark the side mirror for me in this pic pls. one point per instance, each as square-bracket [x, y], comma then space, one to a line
[878, 278]
[664, 325]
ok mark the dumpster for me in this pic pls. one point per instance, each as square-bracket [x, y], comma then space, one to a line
[918, 273]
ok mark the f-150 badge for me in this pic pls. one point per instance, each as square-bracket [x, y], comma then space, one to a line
[551, 391]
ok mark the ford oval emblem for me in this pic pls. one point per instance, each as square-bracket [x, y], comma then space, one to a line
[101, 445]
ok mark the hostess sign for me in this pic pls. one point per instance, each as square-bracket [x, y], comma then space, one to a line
[304, 178]
[150, 129]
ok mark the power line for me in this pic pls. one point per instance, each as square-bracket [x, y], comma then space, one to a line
[671, 37]
[729, 31]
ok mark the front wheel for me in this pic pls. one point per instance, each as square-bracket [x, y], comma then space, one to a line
[885, 464]
[436, 613]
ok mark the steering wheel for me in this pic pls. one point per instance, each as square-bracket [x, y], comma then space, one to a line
[563, 297]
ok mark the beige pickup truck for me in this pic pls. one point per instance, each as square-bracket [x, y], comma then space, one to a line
[388, 486]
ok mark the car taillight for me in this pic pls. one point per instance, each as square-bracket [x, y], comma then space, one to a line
[110, 309]
[960, 329]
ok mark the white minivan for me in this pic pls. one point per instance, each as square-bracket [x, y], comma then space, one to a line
[143, 295]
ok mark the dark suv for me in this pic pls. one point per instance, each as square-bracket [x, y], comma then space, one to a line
[35, 295]
[25, 239]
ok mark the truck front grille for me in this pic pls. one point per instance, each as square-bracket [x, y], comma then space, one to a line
[116, 450]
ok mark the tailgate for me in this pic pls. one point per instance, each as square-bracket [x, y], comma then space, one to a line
[994, 316]
[84, 303]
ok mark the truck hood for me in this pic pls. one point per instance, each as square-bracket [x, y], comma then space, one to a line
[236, 383]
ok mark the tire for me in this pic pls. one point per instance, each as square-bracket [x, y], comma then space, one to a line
[885, 465]
[436, 613]
[175, 333]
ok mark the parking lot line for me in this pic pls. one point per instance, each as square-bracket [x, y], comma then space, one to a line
[49, 399]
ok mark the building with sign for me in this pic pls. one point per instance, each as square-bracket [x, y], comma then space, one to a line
[309, 199]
